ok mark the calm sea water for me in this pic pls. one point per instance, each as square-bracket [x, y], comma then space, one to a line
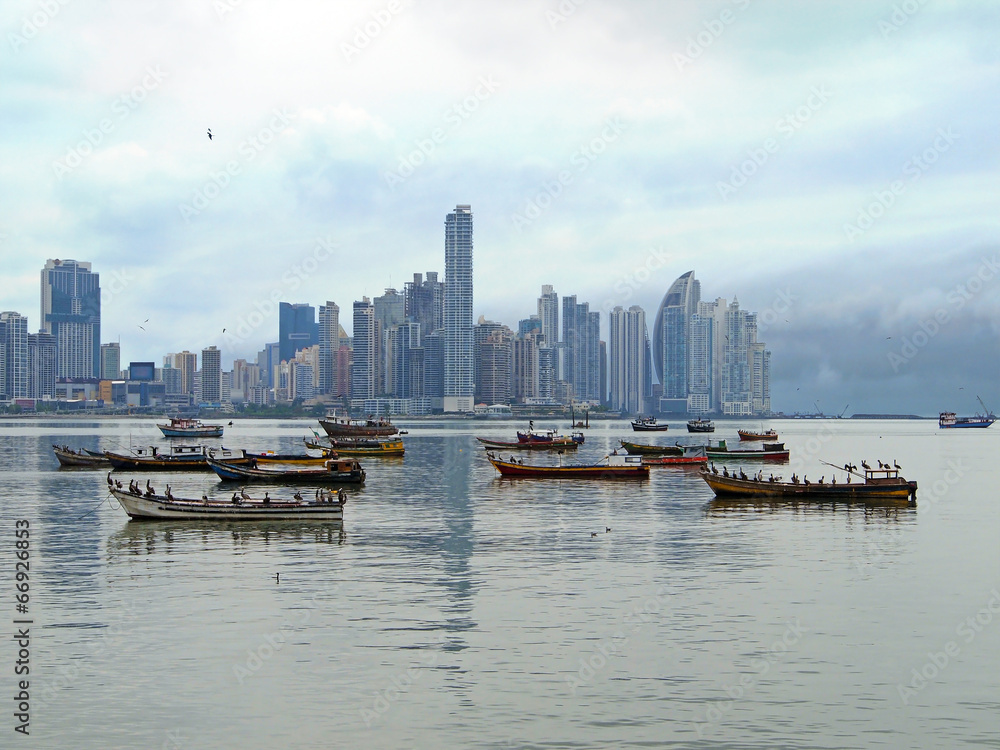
[454, 609]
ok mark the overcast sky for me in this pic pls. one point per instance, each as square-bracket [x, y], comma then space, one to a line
[831, 164]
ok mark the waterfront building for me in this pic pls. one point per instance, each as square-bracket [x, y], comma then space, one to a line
[548, 314]
[297, 328]
[424, 302]
[670, 341]
[71, 311]
[492, 362]
[42, 357]
[329, 347]
[628, 371]
[14, 341]
[187, 363]
[366, 366]
[458, 356]
[406, 356]
[111, 361]
[211, 376]
[582, 350]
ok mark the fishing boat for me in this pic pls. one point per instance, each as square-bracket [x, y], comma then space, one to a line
[948, 419]
[257, 458]
[691, 455]
[338, 427]
[612, 467]
[561, 444]
[146, 505]
[700, 425]
[648, 424]
[334, 471]
[881, 485]
[644, 449]
[376, 447]
[183, 427]
[548, 436]
[757, 435]
[175, 458]
[81, 458]
[767, 452]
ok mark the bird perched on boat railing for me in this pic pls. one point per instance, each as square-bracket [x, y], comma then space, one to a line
[243, 494]
[880, 464]
[864, 465]
[896, 465]
[297, 495]
[110, 483]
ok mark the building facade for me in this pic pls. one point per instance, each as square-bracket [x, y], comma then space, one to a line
[71, 311]
[459, 381]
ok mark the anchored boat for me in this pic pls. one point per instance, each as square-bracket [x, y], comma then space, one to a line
[179, 427]
[691, 455]
[81, 458]
[334, 471]
[882, 485]
[757, 435]
[648, 424]
[612, 467]
[644, 449]
[767, 452]
[338, 427]
[700, 425]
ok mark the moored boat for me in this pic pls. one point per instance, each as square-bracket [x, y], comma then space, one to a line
[613, 467]
[700, 425]
[334, 471]
[882, 485]
[375, 447]
[175, 458]
[547, 436]
[644, 449]
[691, 455]
[338, 427]
[147, 505]
[757, 435]
[563, 443]
[257, 458]
[183, 427]
[81, 458]
[948, 420]
[767, 452]
[648, 424]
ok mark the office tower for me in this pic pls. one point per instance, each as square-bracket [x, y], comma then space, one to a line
[15, 344]
[389, 312]
[297, 329]
[670, 339]
[524, 366]
[492, 353]
[42, 358]
[737, 386]
[71, 311]
[548, 314]
[187, 363]
[365, 368]
[329, 346]
[111, 361]
[406, 380]
[424, 302]
[701, 361]
[458, 362]
[760, 378]
[627, 342]
[529, 325]
[211, 376]
[582, 350]
[172, 382]
[434, 369]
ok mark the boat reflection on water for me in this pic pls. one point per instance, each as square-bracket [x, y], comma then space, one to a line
[169, 537]
[870, 510]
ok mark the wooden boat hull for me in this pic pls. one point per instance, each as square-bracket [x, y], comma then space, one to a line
[338, 429]
[674, 460]
[701, 427]
[388, 449]
[159, 507]
[288, 459]
[532, 446]
[650, 428]
[746, 435]
[81, 459]
[528, 437]
[230, 472]
[731, 488]
[596, 471]
[130, 463]
[643, 449]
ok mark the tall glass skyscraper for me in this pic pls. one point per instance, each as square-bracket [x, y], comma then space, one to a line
[627, 339]
[14, 340]
[329, 346]
[297, 329]
[671, 333]
[71, 311]
[458, 350]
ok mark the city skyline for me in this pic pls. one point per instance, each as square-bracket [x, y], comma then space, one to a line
[849, 198]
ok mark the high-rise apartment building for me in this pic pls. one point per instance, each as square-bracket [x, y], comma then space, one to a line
[492, 347]
[42, 357]
[211, 376]
[424, 302]
[365, 368]
[582, 350]
[71, 311]
[111, 361]
[329, 345]
[14, 341]
[459, 382]
[627, 342]
[548, 314]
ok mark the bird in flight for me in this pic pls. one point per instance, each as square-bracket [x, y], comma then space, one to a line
[209, 134]
[145, 321]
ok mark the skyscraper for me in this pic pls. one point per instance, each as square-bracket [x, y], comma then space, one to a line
[492, 362]
[41, 365]
[548, 314]
[628, 359]
[582, 349]
[424, 302]
[71, 311]
[211, 376]
[365, 370]
[670, 339]
[15, 344]
[458, 362]
[329, 345]
[297, 329]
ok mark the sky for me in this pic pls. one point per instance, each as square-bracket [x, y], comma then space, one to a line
[833, 165]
